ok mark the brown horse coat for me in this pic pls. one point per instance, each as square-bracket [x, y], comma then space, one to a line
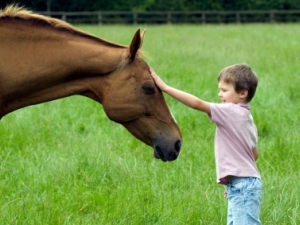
[42, 59]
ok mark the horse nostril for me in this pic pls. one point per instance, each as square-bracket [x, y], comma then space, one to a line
[178, 146]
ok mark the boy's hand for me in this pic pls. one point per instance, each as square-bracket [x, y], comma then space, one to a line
[159, 82]
[225, 194]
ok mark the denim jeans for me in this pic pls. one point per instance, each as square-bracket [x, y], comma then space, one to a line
[244, 196]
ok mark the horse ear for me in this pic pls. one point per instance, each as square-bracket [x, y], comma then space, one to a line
[142, 38]
[136, 44]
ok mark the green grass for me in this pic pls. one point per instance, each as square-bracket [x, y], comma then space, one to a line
[64, 162]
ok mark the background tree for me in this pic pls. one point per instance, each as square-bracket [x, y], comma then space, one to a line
[151, 5]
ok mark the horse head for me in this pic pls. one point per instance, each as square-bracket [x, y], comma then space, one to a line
[134, 101]
[63, 61]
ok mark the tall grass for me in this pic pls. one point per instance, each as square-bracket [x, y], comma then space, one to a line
[64, 162]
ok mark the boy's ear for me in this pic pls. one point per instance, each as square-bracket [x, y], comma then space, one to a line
[243, 94]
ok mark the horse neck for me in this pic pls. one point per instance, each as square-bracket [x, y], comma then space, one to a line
[54, 69]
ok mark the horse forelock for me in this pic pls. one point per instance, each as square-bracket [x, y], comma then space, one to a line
[21, 13]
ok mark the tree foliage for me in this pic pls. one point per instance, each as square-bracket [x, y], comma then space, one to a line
[154, 5]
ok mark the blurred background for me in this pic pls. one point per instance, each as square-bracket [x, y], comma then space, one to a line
[153, 5]
[165, 11]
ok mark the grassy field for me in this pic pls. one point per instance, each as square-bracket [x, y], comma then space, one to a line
[64, 162]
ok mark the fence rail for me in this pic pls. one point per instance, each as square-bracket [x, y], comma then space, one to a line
[154, 17]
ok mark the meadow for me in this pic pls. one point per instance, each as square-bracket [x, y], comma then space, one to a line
[65, 162]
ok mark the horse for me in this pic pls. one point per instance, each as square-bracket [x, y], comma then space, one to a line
[44, 59]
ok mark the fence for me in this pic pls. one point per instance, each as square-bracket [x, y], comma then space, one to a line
[159, 17]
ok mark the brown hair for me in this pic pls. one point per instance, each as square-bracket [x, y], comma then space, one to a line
[241, 77]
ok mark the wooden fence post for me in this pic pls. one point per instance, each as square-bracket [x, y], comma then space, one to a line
[203, 17]
[134, 18]
[272, 17]
[169, 18]
[238, 17]
[99, 18]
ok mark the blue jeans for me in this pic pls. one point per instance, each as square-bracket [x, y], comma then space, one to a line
[244, 196]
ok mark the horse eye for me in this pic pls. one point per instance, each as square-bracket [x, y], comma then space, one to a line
[148, 89]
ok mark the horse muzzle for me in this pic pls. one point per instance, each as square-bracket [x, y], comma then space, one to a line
[165, 153]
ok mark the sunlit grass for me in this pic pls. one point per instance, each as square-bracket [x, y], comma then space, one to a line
[64, 162]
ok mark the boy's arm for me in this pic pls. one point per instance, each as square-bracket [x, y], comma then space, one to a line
[188, 99]
[184, 97]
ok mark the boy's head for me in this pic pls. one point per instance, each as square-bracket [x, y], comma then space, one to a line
[241, 77]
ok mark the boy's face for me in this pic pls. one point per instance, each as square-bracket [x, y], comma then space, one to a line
[228, 94]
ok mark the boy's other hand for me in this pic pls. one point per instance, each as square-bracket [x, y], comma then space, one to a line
[225, 194]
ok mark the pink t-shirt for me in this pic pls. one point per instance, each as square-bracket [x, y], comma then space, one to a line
[235, 138]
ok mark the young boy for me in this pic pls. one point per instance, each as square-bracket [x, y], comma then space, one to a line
[235, 139]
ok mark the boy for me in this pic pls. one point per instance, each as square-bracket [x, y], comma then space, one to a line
[235, 139]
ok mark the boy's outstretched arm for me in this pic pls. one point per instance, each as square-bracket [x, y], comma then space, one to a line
[184, 97]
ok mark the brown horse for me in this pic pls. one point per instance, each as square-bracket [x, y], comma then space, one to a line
[42, 59]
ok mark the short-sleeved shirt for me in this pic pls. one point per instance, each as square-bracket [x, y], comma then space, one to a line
[235, 139]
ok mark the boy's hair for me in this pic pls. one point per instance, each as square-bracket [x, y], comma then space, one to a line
[241, 77]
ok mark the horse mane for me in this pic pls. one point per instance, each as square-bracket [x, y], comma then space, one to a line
[22, 14]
